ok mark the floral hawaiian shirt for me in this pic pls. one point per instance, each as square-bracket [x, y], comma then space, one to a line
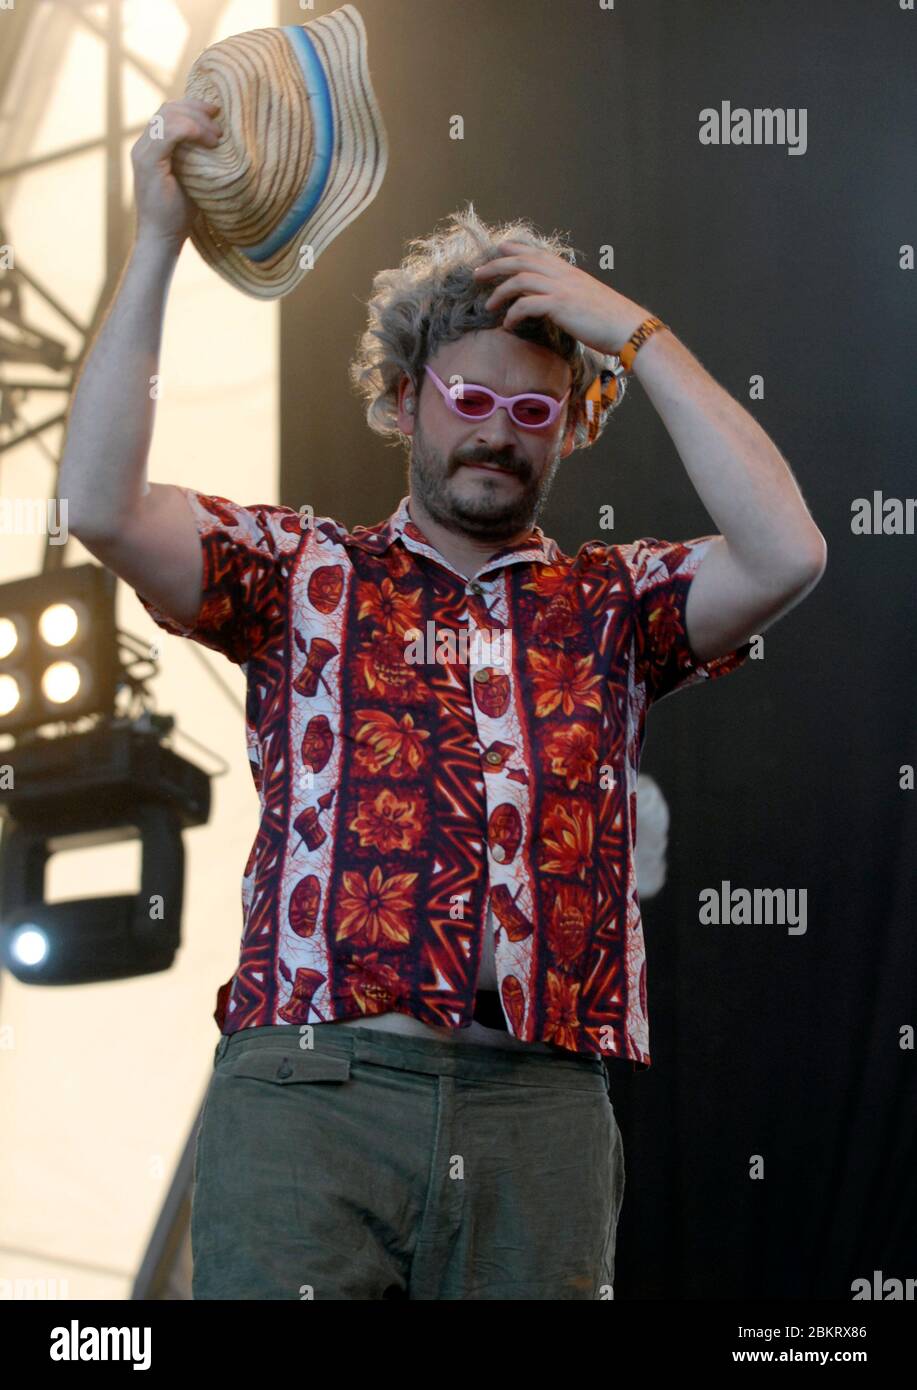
[435, 755]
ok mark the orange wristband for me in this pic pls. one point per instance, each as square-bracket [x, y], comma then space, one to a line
[636, 340]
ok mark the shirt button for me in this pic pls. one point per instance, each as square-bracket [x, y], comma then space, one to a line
[493, 757]
[483, 675]
[474, 588]
[499, 853]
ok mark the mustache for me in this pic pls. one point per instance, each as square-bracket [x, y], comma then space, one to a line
[511, 465]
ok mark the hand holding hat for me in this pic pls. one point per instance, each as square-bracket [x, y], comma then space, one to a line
[303, 151]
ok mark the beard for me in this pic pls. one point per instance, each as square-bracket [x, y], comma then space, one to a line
[493, 514]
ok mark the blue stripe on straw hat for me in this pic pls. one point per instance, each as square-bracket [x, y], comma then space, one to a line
[323, 138]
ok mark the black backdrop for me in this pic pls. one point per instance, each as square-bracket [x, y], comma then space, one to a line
[785, 774]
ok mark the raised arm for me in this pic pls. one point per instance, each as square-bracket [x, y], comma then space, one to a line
[144, 533]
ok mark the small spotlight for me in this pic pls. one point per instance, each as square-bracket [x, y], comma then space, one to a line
[9, 694]
[61, 682]
[9, 637]
[58, 624]
[29, 945]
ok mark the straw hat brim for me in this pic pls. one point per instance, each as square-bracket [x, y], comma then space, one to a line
[358, 164]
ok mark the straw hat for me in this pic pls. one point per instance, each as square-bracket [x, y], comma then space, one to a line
[303, 152]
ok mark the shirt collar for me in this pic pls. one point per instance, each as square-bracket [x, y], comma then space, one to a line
[535, 547]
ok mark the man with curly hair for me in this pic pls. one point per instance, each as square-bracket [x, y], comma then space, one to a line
[442, 944]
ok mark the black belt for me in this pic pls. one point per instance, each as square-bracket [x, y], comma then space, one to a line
[488, 1011]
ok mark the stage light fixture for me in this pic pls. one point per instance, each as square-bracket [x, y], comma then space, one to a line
[60, 661]
[112, 783]
[58, 647]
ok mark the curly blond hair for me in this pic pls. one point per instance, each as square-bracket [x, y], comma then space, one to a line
[433, 298]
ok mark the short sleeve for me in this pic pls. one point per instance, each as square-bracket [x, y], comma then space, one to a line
[246, 560]
[660, 574]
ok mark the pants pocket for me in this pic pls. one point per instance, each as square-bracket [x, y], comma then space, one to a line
[283, 1066]
[261, 1155]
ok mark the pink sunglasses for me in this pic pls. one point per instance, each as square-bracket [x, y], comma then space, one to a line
[473, 402]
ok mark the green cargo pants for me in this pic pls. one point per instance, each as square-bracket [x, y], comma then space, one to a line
[375, 1165]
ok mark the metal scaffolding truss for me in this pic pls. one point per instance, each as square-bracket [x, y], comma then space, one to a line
[40, 368]
[36, 365]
